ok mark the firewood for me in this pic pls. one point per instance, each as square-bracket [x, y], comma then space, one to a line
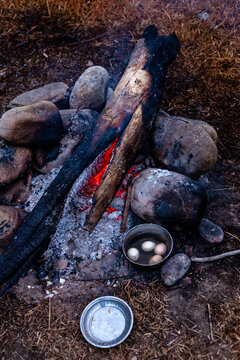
[126, 207]
[152, 72]
[147, 67]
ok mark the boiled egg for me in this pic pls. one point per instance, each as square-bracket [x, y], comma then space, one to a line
[160, 249]
[148, 245]
[133, 254]
[155, 259]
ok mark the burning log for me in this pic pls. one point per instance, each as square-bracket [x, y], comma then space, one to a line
[158, 53]
[137, 93]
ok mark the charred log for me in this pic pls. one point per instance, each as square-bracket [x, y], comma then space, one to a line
[160, 53]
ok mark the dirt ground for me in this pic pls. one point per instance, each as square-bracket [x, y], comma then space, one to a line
[199, 318]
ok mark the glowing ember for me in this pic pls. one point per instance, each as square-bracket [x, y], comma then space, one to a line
[98, 170]
[93, 183]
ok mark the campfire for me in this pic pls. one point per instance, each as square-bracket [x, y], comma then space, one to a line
[131, 154]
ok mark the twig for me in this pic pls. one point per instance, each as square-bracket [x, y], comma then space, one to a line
[210, 322]
[233, 235]
[49, 314]
[86, 40]
[224, 147]
[127, 206]
[48, 8]
[216, 257]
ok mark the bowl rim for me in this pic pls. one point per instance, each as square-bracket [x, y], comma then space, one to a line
[92, 303]
[147, 225]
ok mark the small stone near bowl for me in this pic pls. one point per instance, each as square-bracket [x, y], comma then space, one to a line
[175, 268]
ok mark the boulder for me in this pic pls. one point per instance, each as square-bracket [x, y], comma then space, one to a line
[184, 145]
[90, 90]
[37, 124]
[175, 268]
[77, 126]
[10, 219]
[58, 93]
[14, 161]
[167, 198]
[17, 193]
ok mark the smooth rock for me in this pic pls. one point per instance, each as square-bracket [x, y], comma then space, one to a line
[184, 145]
[37, 124]
[14, 161]
[77, 125]
[58, 93]
[203, 15]
[90, 90]
[167, 198]
[210, 231]
[175, 268]
[17, 193]
[10, 219]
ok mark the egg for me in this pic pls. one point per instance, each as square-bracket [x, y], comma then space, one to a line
[148, 245]
[160, 249]
[155, 259]
[133, 254]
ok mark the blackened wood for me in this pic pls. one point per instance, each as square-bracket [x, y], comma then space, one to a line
[126, 207]
[135, 134]
[41, 239]
[134, 87]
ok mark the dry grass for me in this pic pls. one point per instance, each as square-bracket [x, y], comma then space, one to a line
[28, 332]
[204, 80]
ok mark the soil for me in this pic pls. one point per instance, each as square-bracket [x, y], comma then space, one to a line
[198, 318]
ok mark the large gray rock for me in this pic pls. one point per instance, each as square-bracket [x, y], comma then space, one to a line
[36, 124]
[58, 93]
[77, 125]
[184, 145]
[14, 161]
[90, 90]
[175, 268]
[167, 198]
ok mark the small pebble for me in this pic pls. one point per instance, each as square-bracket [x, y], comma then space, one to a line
[160, 249]
[210, 231]
[155, 259]
[148, 246]
[175, 268]
[133, 254]
[203, 15]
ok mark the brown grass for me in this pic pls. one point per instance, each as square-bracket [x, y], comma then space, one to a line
[27, 333]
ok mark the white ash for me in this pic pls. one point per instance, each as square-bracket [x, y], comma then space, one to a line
[105, 237]
[39, 184]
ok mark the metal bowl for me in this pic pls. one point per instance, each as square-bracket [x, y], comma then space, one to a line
[157, 232]
[106, 321]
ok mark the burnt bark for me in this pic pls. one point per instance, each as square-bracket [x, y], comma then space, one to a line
[139, 83]
[160, 53]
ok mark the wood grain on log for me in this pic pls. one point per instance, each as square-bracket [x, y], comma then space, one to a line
[149, 73]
